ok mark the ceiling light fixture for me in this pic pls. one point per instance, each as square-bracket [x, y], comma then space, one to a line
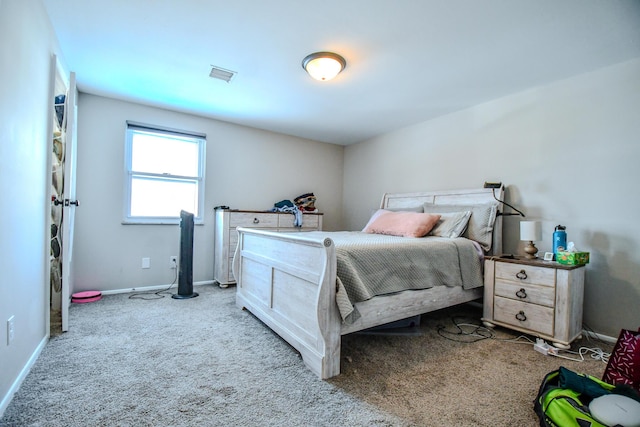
[323, 66]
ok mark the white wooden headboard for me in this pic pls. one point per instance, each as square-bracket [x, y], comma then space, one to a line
[474, 196]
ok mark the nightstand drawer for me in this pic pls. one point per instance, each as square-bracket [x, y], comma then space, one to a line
[526, 274]
[524, 315]
[536, 294]
[252, 219]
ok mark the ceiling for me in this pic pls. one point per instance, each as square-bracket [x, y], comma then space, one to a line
[407, 60]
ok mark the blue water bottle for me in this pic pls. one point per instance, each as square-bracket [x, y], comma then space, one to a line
[559, 239]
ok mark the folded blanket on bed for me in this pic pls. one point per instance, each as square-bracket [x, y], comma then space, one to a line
[370, 265]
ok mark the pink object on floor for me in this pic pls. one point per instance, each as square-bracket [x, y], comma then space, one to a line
[86, 296]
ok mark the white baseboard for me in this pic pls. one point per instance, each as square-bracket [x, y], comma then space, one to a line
[23, 374]
[152, 288]
[601, 337]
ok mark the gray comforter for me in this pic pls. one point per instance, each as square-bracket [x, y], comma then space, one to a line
[369, 265]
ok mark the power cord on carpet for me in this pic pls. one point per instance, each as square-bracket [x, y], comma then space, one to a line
[596, 354]
[158, 294]
[479, 333]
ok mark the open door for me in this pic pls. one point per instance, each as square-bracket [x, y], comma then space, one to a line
[70, 201]
[63, 196]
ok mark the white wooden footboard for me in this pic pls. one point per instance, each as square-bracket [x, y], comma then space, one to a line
[288, 281]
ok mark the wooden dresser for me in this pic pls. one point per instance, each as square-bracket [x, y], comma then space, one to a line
[541, 298]
[226, 238]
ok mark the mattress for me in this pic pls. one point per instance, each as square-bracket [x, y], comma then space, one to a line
[370, 265]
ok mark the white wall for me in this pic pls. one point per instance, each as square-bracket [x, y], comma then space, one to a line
[246, 169]
[27, 42]
[568, 154]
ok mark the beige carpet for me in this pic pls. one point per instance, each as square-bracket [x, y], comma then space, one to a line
[202, 361]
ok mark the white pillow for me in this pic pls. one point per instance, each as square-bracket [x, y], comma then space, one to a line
[480, 226]
[451, 224]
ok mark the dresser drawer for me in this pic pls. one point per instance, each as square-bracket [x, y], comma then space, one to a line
[253, 219]
[526, 274]
[226, 236]
[524, 315]
[536, 294]
[308, 221]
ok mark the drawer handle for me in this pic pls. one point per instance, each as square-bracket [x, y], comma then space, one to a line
[521, 316]
[521, 293]
[256, 220]
[521, 275]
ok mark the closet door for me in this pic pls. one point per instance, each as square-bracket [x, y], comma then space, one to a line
[70, 201]
[63, 195]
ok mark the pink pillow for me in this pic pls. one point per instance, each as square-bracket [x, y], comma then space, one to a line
[405, 224]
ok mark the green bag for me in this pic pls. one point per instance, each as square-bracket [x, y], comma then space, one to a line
[564, 397]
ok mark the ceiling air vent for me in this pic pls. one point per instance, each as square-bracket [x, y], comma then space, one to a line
[222, 74]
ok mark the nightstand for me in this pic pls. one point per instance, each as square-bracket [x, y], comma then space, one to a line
[540, 298]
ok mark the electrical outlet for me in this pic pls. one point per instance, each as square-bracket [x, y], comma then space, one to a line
[10, 330]
[146, 262]
[173, 262]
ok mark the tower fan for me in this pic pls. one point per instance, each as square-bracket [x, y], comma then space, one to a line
[185, 275]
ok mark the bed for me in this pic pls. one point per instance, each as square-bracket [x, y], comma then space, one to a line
[290, 281]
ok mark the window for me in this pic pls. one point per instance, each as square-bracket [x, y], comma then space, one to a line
[164, 174]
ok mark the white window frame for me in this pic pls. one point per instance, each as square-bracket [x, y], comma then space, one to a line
[129, 174]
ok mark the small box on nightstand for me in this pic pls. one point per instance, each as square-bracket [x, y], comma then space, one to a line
[572, 258]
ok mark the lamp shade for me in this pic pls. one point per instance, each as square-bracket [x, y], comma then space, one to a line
[530, 230]
[323, 66]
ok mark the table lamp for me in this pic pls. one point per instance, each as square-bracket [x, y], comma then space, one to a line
[530, 231]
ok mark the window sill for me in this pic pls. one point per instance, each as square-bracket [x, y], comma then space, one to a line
[158, 222]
